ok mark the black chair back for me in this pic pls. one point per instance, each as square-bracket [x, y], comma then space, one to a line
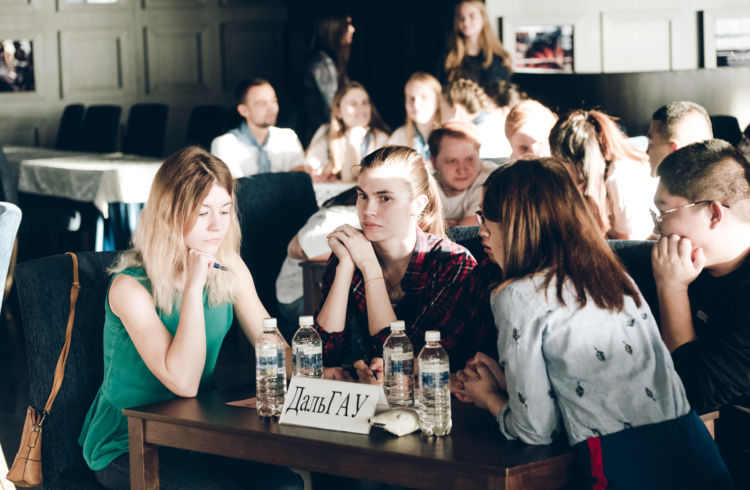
[146, 130]
[101, 125]
[468, 237]
[272, 208]
[726, 128]
[71, 127]
[206, 123]
[635, 255]
[44, 297]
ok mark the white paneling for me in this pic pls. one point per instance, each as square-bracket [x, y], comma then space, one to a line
[709, 29]
[646, 40]
[18, 5]
[241, 41]
[148, 4]
[174, 58]
[118, 6]
[586, 54]
[95, 62]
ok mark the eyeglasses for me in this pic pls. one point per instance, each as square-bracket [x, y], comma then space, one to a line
[659, 218]
[480, 218]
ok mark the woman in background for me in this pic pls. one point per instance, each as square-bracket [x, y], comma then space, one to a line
[579, 350]
[475, 51]
[167, 311]
[422, 94]
[354, 131]
[613, 176]
[527, 128]
[326, 70]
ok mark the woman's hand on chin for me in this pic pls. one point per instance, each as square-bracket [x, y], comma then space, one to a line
[197, 267]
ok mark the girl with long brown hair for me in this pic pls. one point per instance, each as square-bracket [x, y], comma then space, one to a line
[398, 267]
[475, 51]
[579, 350]
[355, 130]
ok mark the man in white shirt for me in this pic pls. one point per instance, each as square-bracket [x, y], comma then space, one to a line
[256, 145]
[454, 151]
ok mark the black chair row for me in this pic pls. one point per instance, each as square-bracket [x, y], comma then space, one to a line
[97, 129]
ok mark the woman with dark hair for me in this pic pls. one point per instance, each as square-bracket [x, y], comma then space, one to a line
[475, 51]
[613, 176]
[325, 73]
[579, 350]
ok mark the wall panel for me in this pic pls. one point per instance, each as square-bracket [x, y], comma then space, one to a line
[251, 49]
[174, 59]
[95, 62]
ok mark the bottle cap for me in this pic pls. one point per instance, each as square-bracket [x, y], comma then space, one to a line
[306, 320]
[398, 326]
[432, 336]
[269, 323]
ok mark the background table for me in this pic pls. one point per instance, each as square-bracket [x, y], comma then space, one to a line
[474, 455]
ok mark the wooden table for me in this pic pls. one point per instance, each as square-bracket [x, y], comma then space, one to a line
[474, 455]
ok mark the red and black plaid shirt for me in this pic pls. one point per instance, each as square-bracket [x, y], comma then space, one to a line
[441, 293]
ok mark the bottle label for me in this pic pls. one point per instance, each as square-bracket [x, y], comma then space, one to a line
[308, 357]
[402, 363]
[434, 376]
[268, 361]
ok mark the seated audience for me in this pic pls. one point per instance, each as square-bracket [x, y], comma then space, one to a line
[613, 176]
[325, 72]
[398, 267]
[702, 275]
[744, 144]
[310, 243]
[475, 52]
[256, 146]
[465, 101]
[527, 128]
[579, 350]
[459, 171]
[504, 95]
[355, 130]
[166, 314]
[675, 125]
[422, 94]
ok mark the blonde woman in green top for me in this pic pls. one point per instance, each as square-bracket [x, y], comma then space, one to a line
[166, 314]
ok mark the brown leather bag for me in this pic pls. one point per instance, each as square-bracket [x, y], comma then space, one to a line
[27, 467]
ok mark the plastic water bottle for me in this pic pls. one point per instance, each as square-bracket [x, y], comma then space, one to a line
[307, 350]
[433, 392]
[398, 366]
[270, 372]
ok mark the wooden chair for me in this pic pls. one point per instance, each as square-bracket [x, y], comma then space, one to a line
[71, 127]
[146, 130]
[101, 126]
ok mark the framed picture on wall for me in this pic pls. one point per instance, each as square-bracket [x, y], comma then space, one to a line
[544, 48]
[17, 65]
[732, 41]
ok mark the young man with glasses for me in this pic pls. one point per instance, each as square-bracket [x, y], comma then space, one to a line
[702, 274]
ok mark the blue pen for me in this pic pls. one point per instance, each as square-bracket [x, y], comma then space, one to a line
[220, 267]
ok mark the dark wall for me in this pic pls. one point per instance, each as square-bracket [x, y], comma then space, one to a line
[633, 97]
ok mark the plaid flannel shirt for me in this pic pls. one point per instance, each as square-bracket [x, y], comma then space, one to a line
[441, 293]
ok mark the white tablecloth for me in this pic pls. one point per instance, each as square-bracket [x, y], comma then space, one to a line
[16, 154]
[99, 179]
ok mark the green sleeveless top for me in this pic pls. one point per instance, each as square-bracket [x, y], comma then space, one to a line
[129, 383]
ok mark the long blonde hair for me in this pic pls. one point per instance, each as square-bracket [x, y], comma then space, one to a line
[337, 129]
[489, 44]
[417, 174]
[434, 85]
[158, 244]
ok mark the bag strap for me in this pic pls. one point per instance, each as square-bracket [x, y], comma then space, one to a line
[60, 368]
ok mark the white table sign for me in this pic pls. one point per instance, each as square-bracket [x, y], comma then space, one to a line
[332, 405]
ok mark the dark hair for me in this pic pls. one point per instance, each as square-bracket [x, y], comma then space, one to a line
[327, 36]
[346, 198]
[245, 85]
[671, 113]
[547, 227]
[711, 170]
[504, 94]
